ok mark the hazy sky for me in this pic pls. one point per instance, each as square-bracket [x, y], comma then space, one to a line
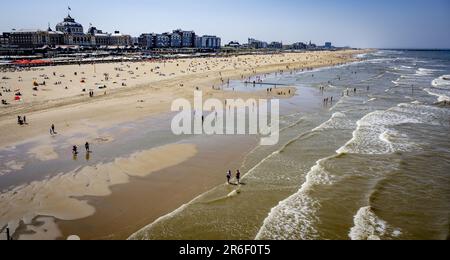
[358, 23]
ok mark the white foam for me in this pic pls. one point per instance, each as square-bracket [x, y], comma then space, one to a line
[337, 121]
[362, 56]
[296, 217]
[425, 72]
[396, 82]
[442, 96]
[374, 136]
[441, 82]
[142, 234]
[368, 226]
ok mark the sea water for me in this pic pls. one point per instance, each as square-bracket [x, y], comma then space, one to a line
[372, 165]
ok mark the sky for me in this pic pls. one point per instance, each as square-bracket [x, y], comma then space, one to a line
[355, 23]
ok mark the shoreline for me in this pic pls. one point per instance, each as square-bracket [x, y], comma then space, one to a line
[157, 96]
[123, 116]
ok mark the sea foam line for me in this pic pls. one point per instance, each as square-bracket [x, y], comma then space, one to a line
[300, 221]
[368, 226]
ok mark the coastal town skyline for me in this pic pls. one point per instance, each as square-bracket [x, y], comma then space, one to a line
[396, 30]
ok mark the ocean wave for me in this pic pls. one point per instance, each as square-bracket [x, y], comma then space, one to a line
[402, 68]
[387, 52]
[441, 82]
[430, 115]
[396, 82]
[425, 72]
[362, 55]
[381, 60]
[375, 133]
[337, 121]
[442, 95]
[296, 216]
[368, 226]
[373, 136]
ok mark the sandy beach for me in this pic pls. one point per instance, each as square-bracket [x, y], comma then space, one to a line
[117, 194]
[149, 88]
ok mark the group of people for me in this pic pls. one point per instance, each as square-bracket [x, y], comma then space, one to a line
[21, 120]
[86, 146]
[74, 148]
[327, 101]
[354, 91]
[230, 176]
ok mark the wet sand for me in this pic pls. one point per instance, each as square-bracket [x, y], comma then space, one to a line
[143, 200]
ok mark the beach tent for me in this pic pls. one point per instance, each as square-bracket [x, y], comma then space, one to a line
[39, 62]
[22, 62]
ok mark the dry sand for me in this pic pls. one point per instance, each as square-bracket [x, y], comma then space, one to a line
[150, 88]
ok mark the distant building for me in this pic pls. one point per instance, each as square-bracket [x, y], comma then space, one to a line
[162, 40]
[68, 32]
[119, 39]
[4, 39]
[135, 41]
[276, 45]
[176, 40]
[147, 40]
[311, 46]
[69, 26]
[299, 46]
[54, 37]
[328, 45]
[187, 38]
[35, 38]
[208, 42]
[233, 44]
[101, 38]
[256, 44]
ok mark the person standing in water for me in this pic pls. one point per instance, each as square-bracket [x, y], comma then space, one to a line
[75, 150]
[229, 176]
[238, 177]
[87, 146]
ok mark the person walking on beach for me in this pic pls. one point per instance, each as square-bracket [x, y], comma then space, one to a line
[75, 150]
[52, 130]
[229, 176]
[25, 120]
[238, 177]
[87, 146]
